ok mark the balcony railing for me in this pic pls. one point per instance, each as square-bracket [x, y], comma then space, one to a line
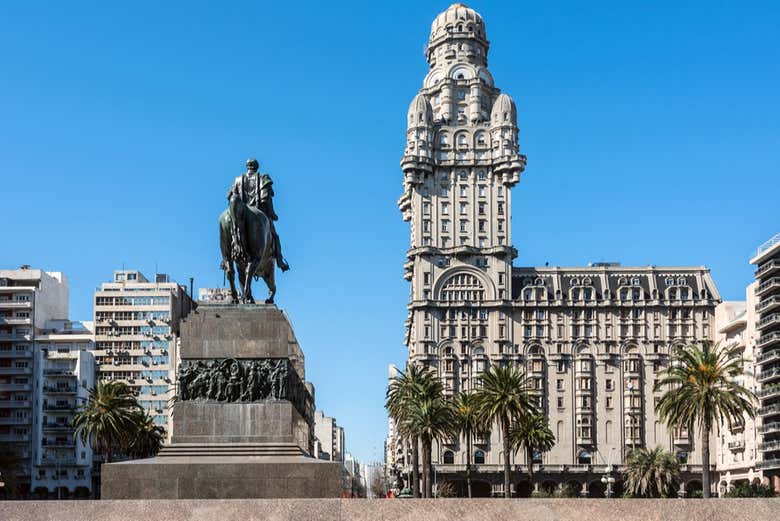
[769, 391]
[768, 244]
[769, 375]
[15, 370]
[15, 387]
[768, 356]
[769, 409]
[767, 286]
[768, 320]
[768, 340]
[9, 353]
[768, 303]
[59, 390]
[769, 464]
[13, 420]
[769, 428]
[11, 438]
[769, 446]
[737, 445]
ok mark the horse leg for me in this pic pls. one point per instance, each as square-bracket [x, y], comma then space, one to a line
[231, 276]
[241, 269]
[227, 260]
[250, 272]
[270, 280]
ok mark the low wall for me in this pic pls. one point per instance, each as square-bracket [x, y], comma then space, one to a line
[394, 509]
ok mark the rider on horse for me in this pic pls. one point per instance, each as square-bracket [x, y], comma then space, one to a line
[255, 190]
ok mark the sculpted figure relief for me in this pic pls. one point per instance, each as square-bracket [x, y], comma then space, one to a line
[232, 380]
[247, 235]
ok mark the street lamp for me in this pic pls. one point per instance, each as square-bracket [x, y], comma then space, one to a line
[608, 480]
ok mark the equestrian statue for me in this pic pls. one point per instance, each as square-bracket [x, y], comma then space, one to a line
[247, 236]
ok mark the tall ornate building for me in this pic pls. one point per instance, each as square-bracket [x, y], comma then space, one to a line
[590, 338]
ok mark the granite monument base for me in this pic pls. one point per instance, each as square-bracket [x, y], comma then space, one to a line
[243, 424]
[222, 477]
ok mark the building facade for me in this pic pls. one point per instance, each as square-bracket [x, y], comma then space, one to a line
[136, 330]
[64, 374]
[736, 452]
[329, 437]
[29, 298]
[767, 262]
[591, 339]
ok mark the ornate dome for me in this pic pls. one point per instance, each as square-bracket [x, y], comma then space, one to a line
[420, 111]
[457, 19]
[504, 111]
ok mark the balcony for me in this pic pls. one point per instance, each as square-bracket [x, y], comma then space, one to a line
[769, 428]
[737, 445]
[769, 409]
[59, 372]
[59, 390]
[67, 407]
[768, 464]
[769, 375]
[769, 391]
[768, 340]
[768, 320]
[768, 303]
[57, 427]
[768, 286]
[12, 420]
[58, 462]
[15, 404]
[16, 337]
[16, 370]
[767, 268]
[13, 304]
[14, 438]
[65, 444]
[769, 446]
[8, 353]
[15, 321]
[15, 387]
[768, 356]
[681, 440]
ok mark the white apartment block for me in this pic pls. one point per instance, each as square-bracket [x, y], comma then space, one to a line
[64, 374]
[136, 328]
[767, 308]
[329, 436]
[591, 339]
[29, 298]
[736, 450]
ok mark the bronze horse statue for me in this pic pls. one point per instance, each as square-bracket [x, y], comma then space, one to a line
[252, 254]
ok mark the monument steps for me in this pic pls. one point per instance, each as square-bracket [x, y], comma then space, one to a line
[236, 449]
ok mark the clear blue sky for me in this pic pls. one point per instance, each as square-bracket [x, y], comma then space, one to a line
[652, 133]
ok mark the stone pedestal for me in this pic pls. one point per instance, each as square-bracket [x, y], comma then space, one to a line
[243, 422]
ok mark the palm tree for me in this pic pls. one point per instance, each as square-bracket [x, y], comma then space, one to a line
[533, 434]
[406, 389]
[148, 438]
[503, 399]
[429, 419]
[651, 473]
[107, 421]
[467, 422]
[702, 392]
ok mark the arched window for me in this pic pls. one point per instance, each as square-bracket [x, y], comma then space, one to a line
[463, 140]
[448, 458]
[463, 287]
[479, 457]
[443, 138]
